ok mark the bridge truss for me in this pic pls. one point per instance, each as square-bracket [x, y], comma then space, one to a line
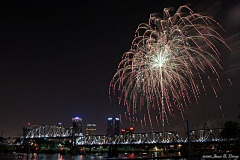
[135, 138]
[49, 131]
[56, 131]
[203, 135]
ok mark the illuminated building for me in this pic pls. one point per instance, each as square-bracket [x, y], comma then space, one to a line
[28, 128]
[113, 126]
[59, 124]
[77, 126]
[91, 129]
[130, 130]
[76, 131]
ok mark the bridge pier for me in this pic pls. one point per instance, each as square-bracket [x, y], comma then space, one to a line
[74, 150]
[113, 151]
[165, 149]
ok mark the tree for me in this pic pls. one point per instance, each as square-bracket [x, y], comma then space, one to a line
[231, 130]
[1, 139]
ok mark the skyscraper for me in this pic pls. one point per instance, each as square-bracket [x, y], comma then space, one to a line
[28, 128]
[113, 126]
[91, 129]
[77, 126]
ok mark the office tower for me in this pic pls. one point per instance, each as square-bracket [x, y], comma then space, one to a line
[91, 129]
[28, 128]
[77, 126]
[113, 126]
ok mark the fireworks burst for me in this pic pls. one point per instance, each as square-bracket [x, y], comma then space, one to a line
[165, 66]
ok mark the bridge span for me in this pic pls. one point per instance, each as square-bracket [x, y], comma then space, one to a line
[73, 135]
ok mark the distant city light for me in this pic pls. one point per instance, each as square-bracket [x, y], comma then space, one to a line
[91, 124]
[51, 131]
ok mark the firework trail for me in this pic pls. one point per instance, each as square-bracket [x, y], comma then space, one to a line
[120, 117]
[167, 62]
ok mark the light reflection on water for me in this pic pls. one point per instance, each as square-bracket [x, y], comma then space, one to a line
[52, 157]
[56, 156]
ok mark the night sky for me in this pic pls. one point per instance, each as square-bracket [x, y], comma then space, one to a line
[57, 59]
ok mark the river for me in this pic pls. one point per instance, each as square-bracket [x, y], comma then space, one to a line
[57, 156]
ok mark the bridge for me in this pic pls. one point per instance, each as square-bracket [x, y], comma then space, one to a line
[134, 138]
[49, 131]
[61, 132]
[203, 135]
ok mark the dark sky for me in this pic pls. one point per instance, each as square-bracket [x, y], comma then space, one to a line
[57, 59]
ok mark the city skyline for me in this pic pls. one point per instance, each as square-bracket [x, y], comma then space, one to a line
[58, 58]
